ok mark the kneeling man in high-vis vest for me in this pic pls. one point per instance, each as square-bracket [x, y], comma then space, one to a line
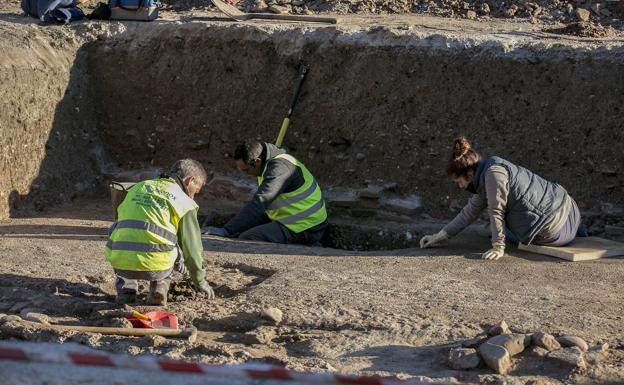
[288, 206]
[157, 229]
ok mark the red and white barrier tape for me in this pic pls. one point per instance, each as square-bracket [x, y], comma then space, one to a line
[251, 371]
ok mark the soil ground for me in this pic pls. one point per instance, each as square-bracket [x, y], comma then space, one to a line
[379, 312]
[384, 312]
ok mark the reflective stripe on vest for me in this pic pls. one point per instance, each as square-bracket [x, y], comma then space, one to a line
[145, 236]
[301, 209]
[132, 224]
[137, 246]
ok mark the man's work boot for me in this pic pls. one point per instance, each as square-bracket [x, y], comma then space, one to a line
[158, 293]
[125, 298]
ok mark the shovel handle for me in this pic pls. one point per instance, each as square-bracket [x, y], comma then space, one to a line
[270, 16]
[188, 333]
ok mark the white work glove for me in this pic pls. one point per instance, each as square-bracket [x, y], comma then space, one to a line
[430, 240]
[220, 231]
[205, 288]
[494, 253]
[180, 266]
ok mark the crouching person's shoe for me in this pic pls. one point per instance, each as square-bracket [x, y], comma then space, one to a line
[158, 293]
[125, 298]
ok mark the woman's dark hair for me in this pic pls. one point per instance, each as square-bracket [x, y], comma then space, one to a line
[463, 160]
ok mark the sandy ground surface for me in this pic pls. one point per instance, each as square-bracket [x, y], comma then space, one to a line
[383, 312]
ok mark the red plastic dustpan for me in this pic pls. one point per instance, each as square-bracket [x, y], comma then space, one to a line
[157, 320]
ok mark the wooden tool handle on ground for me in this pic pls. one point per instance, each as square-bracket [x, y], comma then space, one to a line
[270, 16]
[189, 333]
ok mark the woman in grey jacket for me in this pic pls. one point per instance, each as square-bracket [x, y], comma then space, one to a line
[533, 209]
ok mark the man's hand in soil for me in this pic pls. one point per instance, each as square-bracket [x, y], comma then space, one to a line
[205, 288]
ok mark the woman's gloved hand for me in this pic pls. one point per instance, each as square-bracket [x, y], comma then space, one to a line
[494, 253]
[431, 240]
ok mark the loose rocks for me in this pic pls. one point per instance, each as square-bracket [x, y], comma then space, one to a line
[37, 317]
[118, 322]
[462, 358]
[496, 357]
[537, 351]
[569, 341]
[499, 328]
[261, 335]
[474, 342]
[570, 356]
[582, 14]
[546, 341]
[513, 343]
[272, 314]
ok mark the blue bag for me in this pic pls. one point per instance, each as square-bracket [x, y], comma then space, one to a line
[146, 10]
[40, 8]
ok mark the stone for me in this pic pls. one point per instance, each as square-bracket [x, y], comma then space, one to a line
[463, 358]
[569, 356]
[496, 357]
[513, 343]
[597, 353]
[569, 8]
[569, 341]
[27, 310]
[409, 205]
[582, 14]
[360, 156]
[499, 328]
[545, 341]
[372, 191]
[261, 335]
[342, 198]
[484, 9]
[278, 9]
[299, 3]
[537, 351]
[605, 12]
[118, 322]
[471, 15]
[16, 308]
[12, 318]
[4, 306]
[474, 342]
[511, 11]
[272, 314]
[37, 317]
[153, 341]
[601, 348]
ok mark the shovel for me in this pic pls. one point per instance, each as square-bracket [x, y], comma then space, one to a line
[189, 333]
[154, 320]
[239, 15]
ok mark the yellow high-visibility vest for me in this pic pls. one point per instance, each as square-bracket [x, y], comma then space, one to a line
[301, 209]
[144, 237]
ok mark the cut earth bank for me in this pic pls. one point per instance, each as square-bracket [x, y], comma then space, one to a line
[92, 102]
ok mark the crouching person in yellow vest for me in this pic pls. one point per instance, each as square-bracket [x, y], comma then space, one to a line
[288, 206]
[157, 230]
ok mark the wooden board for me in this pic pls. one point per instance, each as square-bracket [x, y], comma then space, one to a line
[581, 249]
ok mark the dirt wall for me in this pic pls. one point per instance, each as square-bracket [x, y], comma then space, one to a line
[45, 119]
[380, 106]
[375, 107]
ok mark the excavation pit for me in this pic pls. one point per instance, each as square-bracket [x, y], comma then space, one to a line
[379, 107]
